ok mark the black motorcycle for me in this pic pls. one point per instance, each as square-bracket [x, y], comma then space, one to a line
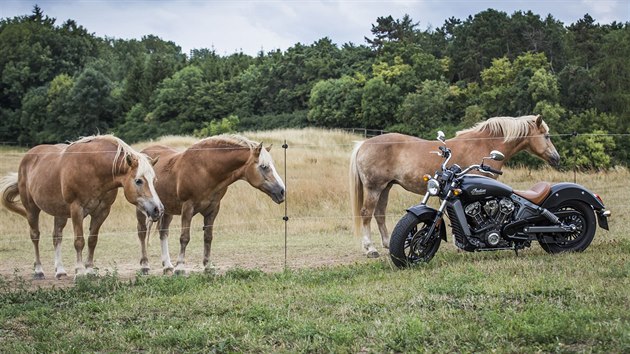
[487, 215]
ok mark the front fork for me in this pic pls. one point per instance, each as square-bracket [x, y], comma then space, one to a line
[438, 217]
[425, 199]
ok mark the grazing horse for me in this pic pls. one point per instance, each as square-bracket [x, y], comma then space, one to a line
[76, 180]
[194, 182]
[378, 163]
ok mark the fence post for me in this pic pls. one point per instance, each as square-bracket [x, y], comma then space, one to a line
[574, 137]
[286, 197]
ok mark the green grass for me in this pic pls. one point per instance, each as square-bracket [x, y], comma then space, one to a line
[458, 302]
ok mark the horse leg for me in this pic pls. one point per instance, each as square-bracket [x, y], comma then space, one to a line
[33, 223]
[60, 223]
[142, 235]
[77, 216]
[208, 225]
[379, 215]
[184, 238]
[96, 221]
[367, 211]
[163, 224]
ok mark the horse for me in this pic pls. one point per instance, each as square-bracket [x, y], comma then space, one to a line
[378, 163]
[76, 180]
[195, 180]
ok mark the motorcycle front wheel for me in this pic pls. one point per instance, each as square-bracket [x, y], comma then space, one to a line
[405, 248]
[582, 217]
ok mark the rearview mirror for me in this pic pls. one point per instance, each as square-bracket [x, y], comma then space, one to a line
[441, 137]
[497, 155]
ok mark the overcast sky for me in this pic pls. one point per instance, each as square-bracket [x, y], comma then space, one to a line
[251, 26]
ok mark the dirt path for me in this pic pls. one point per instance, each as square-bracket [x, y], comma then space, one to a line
[23, 276]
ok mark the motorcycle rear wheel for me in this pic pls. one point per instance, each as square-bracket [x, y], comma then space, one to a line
[584, 221]
[404, 247]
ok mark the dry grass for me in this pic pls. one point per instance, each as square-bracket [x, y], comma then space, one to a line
[249, 229]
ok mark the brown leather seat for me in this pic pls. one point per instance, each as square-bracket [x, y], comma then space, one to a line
[537, 193]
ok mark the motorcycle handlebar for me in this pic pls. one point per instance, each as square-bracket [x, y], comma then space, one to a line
[482, 168]
[446, 153]
[490, 169]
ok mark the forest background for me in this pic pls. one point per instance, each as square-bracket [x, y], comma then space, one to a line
[60, 82]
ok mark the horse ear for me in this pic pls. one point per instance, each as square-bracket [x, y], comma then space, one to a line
[268, 148]
[538, 120]
[154, 161]
[258, 149]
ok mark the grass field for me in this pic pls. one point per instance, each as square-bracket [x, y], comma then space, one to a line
[329, 298]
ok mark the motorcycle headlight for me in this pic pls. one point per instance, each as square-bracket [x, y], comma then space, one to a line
[433, 187]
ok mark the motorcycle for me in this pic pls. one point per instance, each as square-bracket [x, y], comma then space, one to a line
[487, 215]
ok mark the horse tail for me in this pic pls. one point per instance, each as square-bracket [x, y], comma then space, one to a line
[356, 189]
[9, 191]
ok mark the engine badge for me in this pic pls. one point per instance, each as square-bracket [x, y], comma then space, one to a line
[478, 191]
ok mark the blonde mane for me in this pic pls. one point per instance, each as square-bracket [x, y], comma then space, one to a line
[231, 141]
[509, 128]
[145, 168]
[228, 139]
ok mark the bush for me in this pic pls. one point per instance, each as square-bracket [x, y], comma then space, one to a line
[226, 125]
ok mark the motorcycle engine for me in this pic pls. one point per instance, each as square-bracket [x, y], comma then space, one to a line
[486, 218]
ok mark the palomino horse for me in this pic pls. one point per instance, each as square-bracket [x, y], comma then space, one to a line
[74, 181]
[380, 162]
[194, 181]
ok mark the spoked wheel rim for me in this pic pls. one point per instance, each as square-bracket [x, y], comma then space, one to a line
[413, 249]
[581, 218]
[576, 220]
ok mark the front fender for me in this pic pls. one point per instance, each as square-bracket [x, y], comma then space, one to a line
[424, 212]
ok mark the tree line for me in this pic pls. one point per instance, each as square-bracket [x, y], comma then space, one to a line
[59, 82]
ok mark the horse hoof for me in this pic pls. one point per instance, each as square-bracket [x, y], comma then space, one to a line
[144, 271]
[373, 254]
[181, 272]
[167, 271]
[61, 275]
[38, 276]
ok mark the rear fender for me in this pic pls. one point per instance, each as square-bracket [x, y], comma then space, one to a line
[562, 192]
[424, 212]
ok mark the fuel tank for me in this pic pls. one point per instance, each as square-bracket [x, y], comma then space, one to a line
[475, 187]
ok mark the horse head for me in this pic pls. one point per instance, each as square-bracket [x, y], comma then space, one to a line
[261, 173]
[539, 142]
[139, 188]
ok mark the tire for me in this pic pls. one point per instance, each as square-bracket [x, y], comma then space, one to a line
[403, 247]
[583, 219]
